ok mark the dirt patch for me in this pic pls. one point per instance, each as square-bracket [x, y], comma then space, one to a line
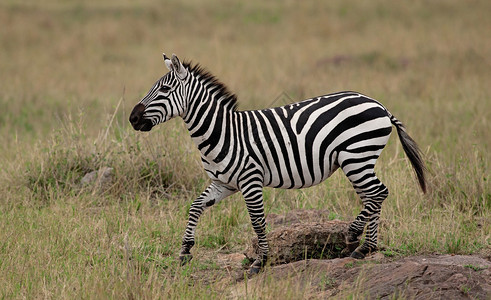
[376, 277]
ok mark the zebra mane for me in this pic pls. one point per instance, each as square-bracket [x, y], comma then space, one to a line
[222, 91]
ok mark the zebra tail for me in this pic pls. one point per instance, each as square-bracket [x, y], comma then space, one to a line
[412, 151]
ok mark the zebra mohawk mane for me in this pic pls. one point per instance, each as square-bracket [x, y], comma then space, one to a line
[222, 91]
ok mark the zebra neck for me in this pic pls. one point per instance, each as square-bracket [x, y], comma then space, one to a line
[211, 125]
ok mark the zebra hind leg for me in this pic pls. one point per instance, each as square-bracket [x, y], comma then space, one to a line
[355, 231]
[372, 195]
[359, 168]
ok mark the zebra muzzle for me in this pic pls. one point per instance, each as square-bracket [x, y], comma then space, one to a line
[137, 119]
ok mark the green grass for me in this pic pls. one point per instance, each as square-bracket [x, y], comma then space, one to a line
[72, 71]
[475, 268]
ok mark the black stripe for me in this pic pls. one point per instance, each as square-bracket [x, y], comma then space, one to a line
[279, 137]
[324, 100]
[270, 146]
[366, 167]
[317, 126]
[208, 118]
[225, 148]
[254, 138]
[194, 105]
[294, 142]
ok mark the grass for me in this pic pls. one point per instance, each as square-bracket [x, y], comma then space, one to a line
[475, 268]
[72, 71]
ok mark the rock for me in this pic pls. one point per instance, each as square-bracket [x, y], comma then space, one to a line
[421, 277]
[375, 277]
[303, 241]
[101, 178]
[298, 216]
[441, 277]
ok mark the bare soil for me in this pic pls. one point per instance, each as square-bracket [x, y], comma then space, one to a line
[296, 246]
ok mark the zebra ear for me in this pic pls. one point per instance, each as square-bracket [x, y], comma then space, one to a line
[180, 70]
[168, 62]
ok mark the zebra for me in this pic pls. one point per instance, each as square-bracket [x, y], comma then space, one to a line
[291, 147]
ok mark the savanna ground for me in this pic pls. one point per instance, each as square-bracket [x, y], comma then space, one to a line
[70, 72]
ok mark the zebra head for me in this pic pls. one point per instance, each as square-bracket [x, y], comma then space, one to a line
[165, 100]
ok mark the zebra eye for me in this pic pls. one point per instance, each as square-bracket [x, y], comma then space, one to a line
[164, 88]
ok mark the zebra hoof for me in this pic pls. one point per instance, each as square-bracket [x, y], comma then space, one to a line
[255, 267]
[253, 271]
[350, 247]
[358, 255]
[362, 251]
[185, 258]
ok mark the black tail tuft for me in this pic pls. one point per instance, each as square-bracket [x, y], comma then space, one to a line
[412, 151]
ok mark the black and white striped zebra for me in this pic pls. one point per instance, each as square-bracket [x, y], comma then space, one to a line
[294, 146]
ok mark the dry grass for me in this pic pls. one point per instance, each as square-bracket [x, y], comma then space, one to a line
[71, 72]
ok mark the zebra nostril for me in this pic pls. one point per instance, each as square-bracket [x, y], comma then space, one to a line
[134, 119]
[137, 114]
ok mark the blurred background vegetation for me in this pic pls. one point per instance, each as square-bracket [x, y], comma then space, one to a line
[71, 71]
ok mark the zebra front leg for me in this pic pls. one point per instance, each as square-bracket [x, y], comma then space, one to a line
[213, 194]
[253, 195]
